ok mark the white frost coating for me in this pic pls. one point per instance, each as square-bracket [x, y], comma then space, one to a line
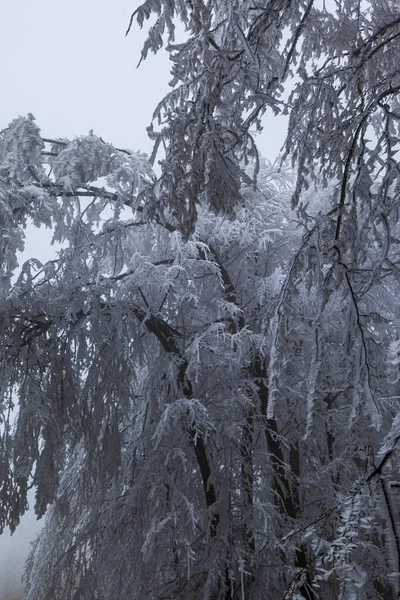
[393, 360]
[273, 369]
[391, 439]
[152, 533]
[312, 382]
[371, 405]
[242, 572]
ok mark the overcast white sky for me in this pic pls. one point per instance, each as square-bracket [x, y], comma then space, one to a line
[70, 65]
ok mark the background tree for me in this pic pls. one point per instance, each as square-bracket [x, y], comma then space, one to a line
[207, 381]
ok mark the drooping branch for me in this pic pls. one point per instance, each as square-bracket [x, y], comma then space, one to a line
[284, 492]
[168, 337]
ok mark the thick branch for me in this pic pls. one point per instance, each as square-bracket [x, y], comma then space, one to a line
[167, 336]
[283, 487]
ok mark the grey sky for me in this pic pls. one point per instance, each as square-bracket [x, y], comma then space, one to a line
[70, 65]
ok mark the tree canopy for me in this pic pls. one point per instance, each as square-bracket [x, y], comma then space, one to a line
[205, 380]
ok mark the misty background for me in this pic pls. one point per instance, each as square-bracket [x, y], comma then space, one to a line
[71, 66]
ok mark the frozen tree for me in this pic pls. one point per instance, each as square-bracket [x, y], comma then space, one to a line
[206, 378]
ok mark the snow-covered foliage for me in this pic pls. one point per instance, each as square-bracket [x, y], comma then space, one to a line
[206, 381]
[330, 65]
[193, 413]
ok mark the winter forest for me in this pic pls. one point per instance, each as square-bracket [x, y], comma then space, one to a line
[203, 387]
